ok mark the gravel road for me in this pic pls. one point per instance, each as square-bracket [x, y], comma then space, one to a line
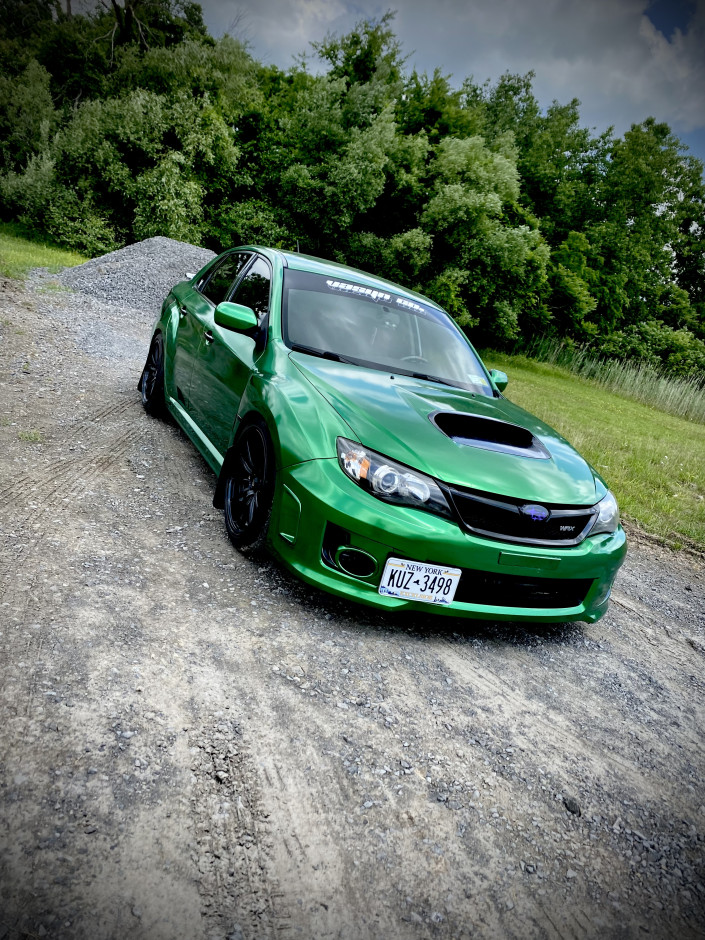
[196, 746]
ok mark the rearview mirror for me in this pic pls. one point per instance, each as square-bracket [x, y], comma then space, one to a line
[500, 379]
[235, 316]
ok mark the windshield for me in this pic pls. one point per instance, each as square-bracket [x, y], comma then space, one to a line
[374, 327]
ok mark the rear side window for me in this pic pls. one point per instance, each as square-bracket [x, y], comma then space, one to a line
[253, 289]
[220, 279]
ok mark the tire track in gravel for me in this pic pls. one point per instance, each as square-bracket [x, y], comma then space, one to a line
[68, 466]
[553, 732]
[671, 638]
[54, 488]
[267, 851]
[233, 849]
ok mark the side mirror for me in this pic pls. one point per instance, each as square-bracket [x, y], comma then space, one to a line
[235, 316]
[500, 379]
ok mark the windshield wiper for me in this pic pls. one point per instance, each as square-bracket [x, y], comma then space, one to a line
[433, 378]
[321, 353]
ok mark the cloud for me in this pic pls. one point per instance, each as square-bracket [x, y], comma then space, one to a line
[276, 31]
[607, 53]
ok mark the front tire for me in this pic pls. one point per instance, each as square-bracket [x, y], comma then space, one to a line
[249, 487]
[151, 383]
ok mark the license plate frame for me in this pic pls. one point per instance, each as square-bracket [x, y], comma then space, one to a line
[418, 581]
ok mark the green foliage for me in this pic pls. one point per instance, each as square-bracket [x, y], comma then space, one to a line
[249, 222]
[132, 166]
[639, 378]
[167, 202]
[223, 70]
[128, 120]
[677, 352]
[430, 106]
[369, 52]
[402, 257]
[27, 115]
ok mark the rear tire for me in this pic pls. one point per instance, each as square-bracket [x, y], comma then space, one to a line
[151, 384]
[249, 487]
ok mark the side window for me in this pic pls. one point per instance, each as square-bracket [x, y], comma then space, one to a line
[253, 289]
[219, 280]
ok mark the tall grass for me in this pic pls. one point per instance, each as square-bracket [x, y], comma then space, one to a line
[683, 397]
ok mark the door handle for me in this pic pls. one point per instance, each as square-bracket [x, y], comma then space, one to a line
[208, 335]
[183, 311]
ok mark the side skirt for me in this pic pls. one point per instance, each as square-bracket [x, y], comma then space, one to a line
[212, 456]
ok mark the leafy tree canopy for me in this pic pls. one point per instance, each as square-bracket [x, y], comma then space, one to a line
[121, 119]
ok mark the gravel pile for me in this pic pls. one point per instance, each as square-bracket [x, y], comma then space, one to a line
[110, 303]
[138, 276]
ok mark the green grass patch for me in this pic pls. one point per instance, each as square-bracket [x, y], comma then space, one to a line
[683, 396]
[654, 462]
[19, 253]
[32, 436]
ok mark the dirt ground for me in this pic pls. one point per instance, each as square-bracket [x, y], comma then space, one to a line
[196, 746]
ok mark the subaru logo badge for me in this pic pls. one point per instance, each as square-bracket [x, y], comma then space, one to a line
[536, 513]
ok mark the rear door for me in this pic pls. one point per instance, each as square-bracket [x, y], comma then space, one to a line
[226, 359]
[196, 306]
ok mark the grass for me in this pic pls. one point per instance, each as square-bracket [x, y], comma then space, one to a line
[19, 253]
[654, 462]
[32, 436]
[684, 397]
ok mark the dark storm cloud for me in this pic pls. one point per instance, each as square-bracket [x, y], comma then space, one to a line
[608, 54]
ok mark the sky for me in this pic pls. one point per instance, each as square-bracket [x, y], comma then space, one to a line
[625, 60]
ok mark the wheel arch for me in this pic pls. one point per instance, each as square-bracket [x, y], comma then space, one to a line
[242, 421]
[167, 324]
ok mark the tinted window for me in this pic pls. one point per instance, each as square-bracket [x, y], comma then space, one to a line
[377, 328]
[253, 289]
[220, 279]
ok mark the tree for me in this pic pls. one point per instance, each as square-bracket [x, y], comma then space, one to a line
[369, 52]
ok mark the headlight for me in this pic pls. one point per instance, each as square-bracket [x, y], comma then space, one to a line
[607, 515]
[390, 481]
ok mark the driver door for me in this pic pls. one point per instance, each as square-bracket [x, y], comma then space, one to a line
[226, 359]
[196, 305]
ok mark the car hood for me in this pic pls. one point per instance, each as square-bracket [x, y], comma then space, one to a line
[390, 414]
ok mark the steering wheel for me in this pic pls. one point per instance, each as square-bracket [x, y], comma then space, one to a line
[413, 359]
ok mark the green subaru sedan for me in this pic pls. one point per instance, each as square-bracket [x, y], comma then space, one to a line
[355, 431]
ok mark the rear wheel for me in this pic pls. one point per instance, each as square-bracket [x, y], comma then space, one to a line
[152, 379]
[249, 487]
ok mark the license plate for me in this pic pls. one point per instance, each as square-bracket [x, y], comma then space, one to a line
[415, 581]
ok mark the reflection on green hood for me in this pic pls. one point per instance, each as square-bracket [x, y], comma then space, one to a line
[390, 414]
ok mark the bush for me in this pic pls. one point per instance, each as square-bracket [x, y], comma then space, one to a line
[678, 352]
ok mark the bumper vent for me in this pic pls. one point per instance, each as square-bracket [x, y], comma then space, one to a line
[511, 590]
[516, 521]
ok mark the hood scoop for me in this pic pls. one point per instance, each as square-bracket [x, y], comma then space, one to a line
[470, 430]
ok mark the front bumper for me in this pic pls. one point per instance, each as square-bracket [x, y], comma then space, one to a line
[315, 502]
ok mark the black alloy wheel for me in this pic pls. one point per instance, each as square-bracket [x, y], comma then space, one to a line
[249, 487]
[152, 379]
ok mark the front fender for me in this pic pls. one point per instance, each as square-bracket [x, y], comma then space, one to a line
[302, 424]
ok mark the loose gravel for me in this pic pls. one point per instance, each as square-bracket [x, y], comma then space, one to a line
[196, 746]
[137, 277]
[102, 302]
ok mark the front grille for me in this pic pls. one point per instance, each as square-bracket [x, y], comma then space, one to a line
[499, 517]
[512, 590]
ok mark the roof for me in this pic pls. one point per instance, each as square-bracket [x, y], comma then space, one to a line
[313, 265]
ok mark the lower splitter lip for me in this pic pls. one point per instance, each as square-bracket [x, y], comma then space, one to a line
[315, 495]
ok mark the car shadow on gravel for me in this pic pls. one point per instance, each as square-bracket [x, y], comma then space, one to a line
[418, 625]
